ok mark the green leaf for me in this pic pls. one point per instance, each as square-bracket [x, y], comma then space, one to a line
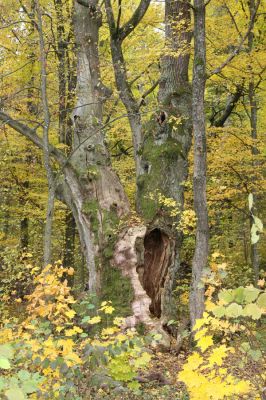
[4, 363]
[219, 311]
[30, 386]
[245, 346]
[251, 294]
[6, 351]
[134, 385]
[24, 375]
[85, 319]
[234, 310]
[171, 322]
[200, 285]
[239, 294]
[2, 384]
[256, 355]
[15, 394]
[226, 295]
[250, 201]
[261, 302]
[253, 311]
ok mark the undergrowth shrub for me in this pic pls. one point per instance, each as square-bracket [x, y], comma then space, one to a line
[55, 354]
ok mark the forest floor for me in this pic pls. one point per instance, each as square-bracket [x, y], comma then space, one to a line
[161, 381]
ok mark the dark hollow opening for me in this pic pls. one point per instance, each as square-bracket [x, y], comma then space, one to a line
[156, 261]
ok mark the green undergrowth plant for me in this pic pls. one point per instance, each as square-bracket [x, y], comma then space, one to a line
[53, 351]
[229, 359]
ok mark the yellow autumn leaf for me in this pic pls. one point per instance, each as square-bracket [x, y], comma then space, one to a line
[70, 271]
[30, 326]
[217, 355]
[70, 314]
[194, 361]
[108, 309]
[59, 328]
[261, 282]
[205, 342]
[77, 329]
[200, 333]
[109, 331]
[70, 332]
[94, 320]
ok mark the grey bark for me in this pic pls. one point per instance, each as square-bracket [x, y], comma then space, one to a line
[90, 156]
[117, 35]
[166, 145]
[253, 125]
[150, 254]
[46, 151]
[62, 79]
[200, 258]
[231, 103]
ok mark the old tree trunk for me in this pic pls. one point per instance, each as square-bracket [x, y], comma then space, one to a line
[148, 254]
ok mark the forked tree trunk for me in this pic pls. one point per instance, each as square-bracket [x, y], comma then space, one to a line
[93, 190]
[149, 255]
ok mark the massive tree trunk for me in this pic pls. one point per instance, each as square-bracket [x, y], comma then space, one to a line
[86, 181]
[93, 191]
[201, 253]
[149, 255]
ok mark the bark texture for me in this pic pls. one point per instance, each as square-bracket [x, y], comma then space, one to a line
[253, 125]
[46, 151]
[93, 191]
[200, 258]
[161, 150]
[165, 146]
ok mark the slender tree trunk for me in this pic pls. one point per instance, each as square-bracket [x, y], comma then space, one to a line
[24, 223]
[70, 234]
[200, 258]
[253, 126]
[61, 52]
[46, 151]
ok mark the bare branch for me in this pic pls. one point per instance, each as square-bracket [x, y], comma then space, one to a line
[30, 134]
[239, 48]
[233, 99]
[119, 14]
[84, 3]
[149, 91]
[135, 19]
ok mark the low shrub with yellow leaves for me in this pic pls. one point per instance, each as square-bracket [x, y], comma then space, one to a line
[52, 352]
[229, 362]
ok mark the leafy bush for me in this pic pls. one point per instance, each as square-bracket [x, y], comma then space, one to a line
[229, 342]
[50, 354]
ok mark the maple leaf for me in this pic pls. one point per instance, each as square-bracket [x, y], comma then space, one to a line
[205, 342]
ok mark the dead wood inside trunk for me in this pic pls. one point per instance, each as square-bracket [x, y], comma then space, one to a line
[154, 270]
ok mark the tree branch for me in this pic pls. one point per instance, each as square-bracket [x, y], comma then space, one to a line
[84, 3]
[239, 48]
[229, 108]
[149, 91]
[135, 19]
[30, 134]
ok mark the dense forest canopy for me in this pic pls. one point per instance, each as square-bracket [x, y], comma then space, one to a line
[132, 155]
